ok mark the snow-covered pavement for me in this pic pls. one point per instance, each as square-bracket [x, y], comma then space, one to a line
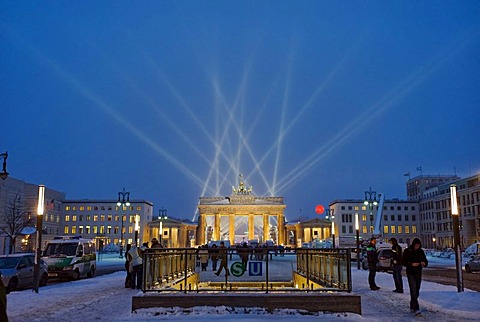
[104, 298]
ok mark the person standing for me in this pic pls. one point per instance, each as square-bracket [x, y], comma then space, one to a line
[372, 260]
[3, 302]
[415, 260]
[214, 256]
[222, 254]
[135, 257]
[397, 265]
[128, 268]
[203, 253]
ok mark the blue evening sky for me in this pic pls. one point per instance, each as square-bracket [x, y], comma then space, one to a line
[310, 100]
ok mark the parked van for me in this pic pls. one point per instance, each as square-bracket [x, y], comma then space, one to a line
[70, 257]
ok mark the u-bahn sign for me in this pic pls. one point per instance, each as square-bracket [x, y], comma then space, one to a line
[254, 269]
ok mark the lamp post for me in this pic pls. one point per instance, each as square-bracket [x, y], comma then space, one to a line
[456, 236]
[357, 231]
[123, 200]
[4, 173]
[162, 215]
[434, 242]
[331, 217]
[38, 254]
[370, 201]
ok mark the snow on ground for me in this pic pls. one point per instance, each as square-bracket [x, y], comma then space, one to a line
[104, 298]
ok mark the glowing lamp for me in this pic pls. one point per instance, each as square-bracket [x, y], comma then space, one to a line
[319, 209]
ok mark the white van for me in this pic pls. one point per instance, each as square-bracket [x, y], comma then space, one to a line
[70, 257]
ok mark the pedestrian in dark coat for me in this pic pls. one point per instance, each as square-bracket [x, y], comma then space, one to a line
[415, 260]
[372, 259]
[223, 254]
[214, 256]
[397, 265]
[128, 268]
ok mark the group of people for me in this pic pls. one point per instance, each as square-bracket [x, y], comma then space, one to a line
[215, 254]
[413, 258]
[134, 263]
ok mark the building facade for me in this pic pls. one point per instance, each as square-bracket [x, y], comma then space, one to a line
[399, 219]
[241, 217]
[107, 223]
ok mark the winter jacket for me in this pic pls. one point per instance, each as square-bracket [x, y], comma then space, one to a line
[372, 257]
[410, 256]
[397, 255]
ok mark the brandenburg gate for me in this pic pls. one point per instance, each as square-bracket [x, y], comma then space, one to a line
[241, 217]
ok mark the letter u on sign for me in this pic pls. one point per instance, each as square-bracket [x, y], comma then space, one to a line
[255, 268]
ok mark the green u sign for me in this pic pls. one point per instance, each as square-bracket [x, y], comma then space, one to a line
[237, 269]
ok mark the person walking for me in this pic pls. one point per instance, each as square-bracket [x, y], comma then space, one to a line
[222, 254]
[155, 243]
[397, 265]
[372, 260]
[415, 260]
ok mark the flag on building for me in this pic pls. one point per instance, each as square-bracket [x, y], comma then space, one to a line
[51, 205]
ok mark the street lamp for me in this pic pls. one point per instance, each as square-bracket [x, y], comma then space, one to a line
[331, 217]
[40, 209]
[357, 230]
[370, 201]
[434, 243]
[456, 236]
[162, 215]
[4, 173]
[123, 200]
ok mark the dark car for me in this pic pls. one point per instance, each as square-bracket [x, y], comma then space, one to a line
[384, 256]
[17, 271]
[473, 264]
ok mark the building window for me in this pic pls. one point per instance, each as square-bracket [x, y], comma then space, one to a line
[87, 229]
[343, 207]
[392, 217]
[95, 217]
[109, 217]
[67, 208]
[364, 218]
[407, 229]
[350, 229]
[130, 229]
[364, 229]
[74, 208]
[344, 229]
[88, 217]
[140, 208]
[414, 229]
[399, 229]
[414, 218]
[80, 218]
[95, 229]
[82, 208]
[385, 229]
[364, 208]
[67, 218]
[399, 217]
[406, 217]
[74, 230]
[385, 217]
[392, 229]
[109, 229]
[74, 218]
[65, 230]
[117, 217]
[89, 208]
[102, 217]
[80, 229]
[102, 229]
[115, 230]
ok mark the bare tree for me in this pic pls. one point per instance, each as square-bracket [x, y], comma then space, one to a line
[14, 220]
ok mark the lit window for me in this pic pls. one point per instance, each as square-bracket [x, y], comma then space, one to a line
[364, 207]
[130, 229]
[67, 208]
[74, 218]
[65, 230]
[109, 229]
[87, 229]
[385, 229]
[102, 229]
[364, 229]
[109, 217]
[80, 229]
[67, 218]
[89, 208]
[82, 208]
[399, 229]
[407, 229]
[364, 218]
[95, 217]
[102, 217]
[140, 208]
[414, 229]
[88, 218]
[74, 208]
[95, 229]
[392, 229]
[74, 230]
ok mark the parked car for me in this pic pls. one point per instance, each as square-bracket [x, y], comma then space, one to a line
[384, 256]
[473, 264]
[17, 271]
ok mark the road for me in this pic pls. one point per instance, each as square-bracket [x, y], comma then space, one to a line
[448, 276]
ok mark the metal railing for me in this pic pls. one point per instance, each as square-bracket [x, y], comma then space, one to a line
[262, 270]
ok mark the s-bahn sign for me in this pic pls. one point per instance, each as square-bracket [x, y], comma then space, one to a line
[254, 268]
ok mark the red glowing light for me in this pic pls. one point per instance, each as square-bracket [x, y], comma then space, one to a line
[319, 209]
